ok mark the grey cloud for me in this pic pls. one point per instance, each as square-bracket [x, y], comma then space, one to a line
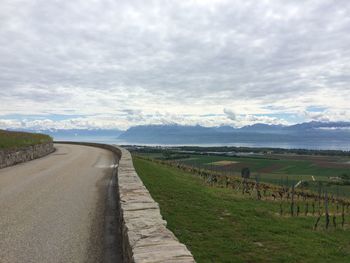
[184, 53]
[230, 114]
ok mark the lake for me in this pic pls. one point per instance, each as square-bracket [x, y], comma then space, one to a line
[312, 145]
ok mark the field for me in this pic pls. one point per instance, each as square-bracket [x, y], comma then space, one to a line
[221, 225]
[280, 169]
[11, 139]
[281, 165]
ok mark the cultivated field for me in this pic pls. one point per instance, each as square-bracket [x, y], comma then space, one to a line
[333, 172]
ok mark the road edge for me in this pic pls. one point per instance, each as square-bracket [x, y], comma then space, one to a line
[144, 235]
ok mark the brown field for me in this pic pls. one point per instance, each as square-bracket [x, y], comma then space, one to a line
[326, 164]
[271, 168]
[224, 163]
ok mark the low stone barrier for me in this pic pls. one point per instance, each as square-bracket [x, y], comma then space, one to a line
[145, 237]
[10, 157]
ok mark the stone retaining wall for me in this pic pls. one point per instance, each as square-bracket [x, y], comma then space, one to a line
[145, 237]
[23, 154]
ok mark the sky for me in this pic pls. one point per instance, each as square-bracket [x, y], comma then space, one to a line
[115, 64]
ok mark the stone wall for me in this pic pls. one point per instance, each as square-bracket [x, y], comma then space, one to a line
[145, 237]
[23, 154]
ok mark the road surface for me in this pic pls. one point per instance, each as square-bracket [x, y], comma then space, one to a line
[59, 208]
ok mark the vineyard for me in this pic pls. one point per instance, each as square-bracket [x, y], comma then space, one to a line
[328, 209]
[328, 170]
[220, 222]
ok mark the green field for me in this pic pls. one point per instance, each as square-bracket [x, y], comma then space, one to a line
[11, 139]
[220, 225]
[277, 169]
[278, 165]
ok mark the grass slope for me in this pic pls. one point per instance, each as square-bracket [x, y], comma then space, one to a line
[219, 225]
[11, 139]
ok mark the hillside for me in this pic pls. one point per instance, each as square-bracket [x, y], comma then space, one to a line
[220, 224]
[13, 139]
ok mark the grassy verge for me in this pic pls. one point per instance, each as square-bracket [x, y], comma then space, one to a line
[11, 139]
[282, 170]
[219, 225]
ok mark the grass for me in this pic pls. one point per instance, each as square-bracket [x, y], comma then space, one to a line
[275, 166]
[11, 139]
[219, 225]
[278, 169]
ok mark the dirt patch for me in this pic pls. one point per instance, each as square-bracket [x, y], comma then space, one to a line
[332, 165]
[237, 167]
[306, 157]
[224, 163]
[271, 168]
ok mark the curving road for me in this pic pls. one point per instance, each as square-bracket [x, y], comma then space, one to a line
[59, 208]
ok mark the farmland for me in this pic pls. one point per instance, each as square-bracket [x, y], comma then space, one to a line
[221, 224]
[332, 171]
[11, 139]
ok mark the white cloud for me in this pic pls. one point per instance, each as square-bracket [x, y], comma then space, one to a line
[240, 120]
[327, 115]
[5, 124]
[122, 63]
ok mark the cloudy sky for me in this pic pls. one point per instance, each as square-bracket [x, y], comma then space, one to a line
[115, 63]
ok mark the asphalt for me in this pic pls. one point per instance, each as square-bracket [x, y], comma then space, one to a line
[60, 208]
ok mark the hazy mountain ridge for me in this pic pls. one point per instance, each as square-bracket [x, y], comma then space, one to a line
[337, 132]
[78, 132]
[311, 131]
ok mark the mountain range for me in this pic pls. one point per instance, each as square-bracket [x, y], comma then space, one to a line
[304, 135]
[177, 134]
[59, 134]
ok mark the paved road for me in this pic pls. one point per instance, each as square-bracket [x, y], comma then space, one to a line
[56, 209]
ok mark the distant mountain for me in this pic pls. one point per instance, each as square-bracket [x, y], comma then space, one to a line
[224, 128]
[315, 125]
[84, 132]
[76, 133]
[302, 134]
[164, 133]
[302, 127]
[310, 135]
[263, 128]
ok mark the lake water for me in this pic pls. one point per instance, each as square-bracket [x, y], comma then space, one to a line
[319, 145]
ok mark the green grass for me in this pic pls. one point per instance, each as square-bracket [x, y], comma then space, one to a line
[284, 166]
[278, 169]
[219, 225]
[11, 139]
